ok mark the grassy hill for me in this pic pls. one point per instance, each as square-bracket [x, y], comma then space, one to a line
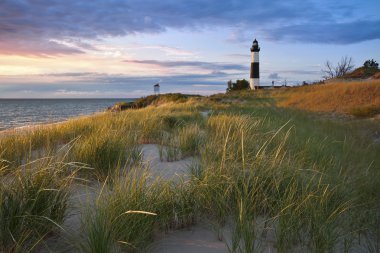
[152, 100]
[363, 72]
[359, 98]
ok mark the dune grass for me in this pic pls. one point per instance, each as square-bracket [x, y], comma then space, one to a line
[33, 203]
[130, 209]
[355, 98]
[309, 182]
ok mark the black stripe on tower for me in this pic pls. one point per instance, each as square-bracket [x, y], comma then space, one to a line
[255, 70]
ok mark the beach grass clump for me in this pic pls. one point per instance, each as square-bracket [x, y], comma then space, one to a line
[179, 207]
[33, 202]
[149, 124]
[214, 196]
[117, 221]
[169, 147]
[13, 150]
[191, 138]
[312, 217]
[104, 151]
[327, 223]
[130, 209]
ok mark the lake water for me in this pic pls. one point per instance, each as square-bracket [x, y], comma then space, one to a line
[26, 112]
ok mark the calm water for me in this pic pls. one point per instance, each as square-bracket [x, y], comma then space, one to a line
[25, 112]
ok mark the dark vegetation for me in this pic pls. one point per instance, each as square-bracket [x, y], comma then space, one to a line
[369, 69]
[371, 64]
[345, 69]
[152, 100]
[239, 85]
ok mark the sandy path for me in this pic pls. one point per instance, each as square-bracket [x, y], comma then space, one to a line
[198, 238]
[81, 197]
[166, 170]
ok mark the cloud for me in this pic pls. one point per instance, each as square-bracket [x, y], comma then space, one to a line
[215, 66]
[90, 82]
[337, 33]
[170, 51]
[34, 27]
[292, 72]
[274, 76]
[34, 47]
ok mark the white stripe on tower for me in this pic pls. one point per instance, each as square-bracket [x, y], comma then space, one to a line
[254, 81]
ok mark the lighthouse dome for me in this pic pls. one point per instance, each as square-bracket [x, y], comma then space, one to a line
[255, 46]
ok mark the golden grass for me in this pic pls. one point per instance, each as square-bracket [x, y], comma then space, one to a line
[314, 182]
[356, 98]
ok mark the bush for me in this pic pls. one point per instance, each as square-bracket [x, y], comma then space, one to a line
[152, 100]
[239, 85]
[371, 64]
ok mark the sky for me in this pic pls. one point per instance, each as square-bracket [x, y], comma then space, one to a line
[121, 48]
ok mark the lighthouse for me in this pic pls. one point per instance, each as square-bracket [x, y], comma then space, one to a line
[254, 81]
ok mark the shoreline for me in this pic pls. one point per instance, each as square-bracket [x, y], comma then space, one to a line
[28, 128]
[28, 120]
[31, 127]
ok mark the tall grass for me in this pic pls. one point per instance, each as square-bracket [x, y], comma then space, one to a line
[309, 210]
[312, 184]
[131, 209]
[104, 151]
[33, 202]
[357, 98]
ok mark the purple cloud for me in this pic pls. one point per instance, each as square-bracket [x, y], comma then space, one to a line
[35, 26]
[214, 66]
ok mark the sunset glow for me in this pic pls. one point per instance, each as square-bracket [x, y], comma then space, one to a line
[121, 48]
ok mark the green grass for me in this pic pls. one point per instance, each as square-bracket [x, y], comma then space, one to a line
[33, 203]
[131, 209]
[312, 181]
[365, 112]
[104, 151]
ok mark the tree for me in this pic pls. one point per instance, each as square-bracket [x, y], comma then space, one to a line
[371, 64]
[239, 85]
[343, 67]
[242, 84]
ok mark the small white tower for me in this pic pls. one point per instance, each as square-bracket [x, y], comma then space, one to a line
[156, 89]
[254, 81]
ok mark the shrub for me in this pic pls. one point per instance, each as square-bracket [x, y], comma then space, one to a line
[239, 85]
[371, 64]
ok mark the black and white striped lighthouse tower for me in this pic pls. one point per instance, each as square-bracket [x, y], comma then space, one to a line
[254, 81]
